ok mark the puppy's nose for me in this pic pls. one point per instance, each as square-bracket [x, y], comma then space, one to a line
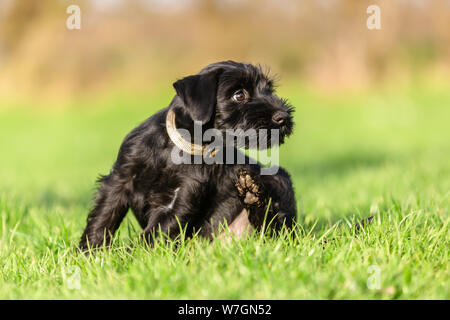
[280, 117]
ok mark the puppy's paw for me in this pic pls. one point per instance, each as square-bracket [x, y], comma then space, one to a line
[249, 189]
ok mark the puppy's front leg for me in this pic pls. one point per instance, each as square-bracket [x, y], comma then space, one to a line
[255, 190]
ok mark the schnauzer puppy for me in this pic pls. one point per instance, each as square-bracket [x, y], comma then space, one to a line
[199, 197]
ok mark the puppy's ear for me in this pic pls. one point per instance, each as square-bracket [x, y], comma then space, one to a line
[199, 94]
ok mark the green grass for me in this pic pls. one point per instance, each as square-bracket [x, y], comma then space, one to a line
[382, 153]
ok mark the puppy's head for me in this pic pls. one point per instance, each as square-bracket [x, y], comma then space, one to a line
[236, 96]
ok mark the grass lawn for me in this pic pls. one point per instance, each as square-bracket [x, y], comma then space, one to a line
[383, 153]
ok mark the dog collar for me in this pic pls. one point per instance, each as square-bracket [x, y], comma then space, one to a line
[182, 143]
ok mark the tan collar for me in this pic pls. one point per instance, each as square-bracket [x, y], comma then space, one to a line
[180, 142]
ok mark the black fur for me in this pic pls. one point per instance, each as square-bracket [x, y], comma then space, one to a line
[200, 197]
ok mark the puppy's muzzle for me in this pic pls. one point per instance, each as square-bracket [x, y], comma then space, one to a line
[280, 118]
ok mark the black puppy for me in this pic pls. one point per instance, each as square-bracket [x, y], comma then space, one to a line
[199, 197]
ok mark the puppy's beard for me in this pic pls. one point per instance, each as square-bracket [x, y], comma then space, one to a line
[253, 139]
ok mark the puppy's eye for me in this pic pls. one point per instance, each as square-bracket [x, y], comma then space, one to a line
[240, 96]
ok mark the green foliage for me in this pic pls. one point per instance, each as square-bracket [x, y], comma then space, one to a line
[384, 154]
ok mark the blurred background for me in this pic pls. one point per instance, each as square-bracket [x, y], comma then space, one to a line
[142, 45]
[371, 105]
